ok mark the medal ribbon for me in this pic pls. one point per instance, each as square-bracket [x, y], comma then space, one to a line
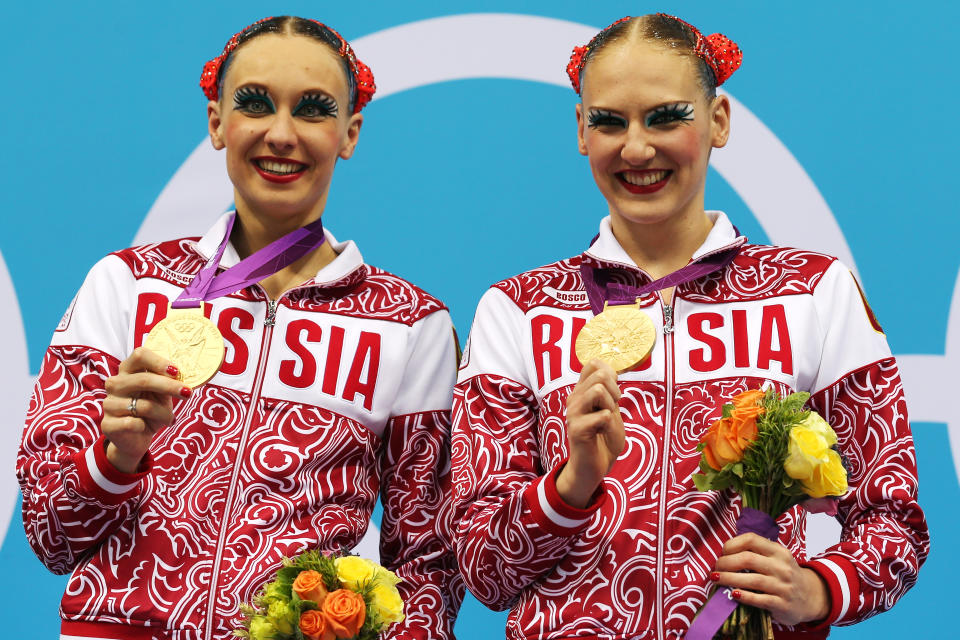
[601, 290]
[721, 604]
[280, 253]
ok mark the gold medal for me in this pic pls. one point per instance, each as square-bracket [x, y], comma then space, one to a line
[191, 342]
[621, 335]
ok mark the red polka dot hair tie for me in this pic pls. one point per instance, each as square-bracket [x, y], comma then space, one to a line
[721, 54]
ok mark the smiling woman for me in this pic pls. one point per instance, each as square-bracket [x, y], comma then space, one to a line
[283, 131]
[573, 485]
[274, 398]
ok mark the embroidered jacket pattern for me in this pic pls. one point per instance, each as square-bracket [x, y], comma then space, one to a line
[339, 391]
[636, 562]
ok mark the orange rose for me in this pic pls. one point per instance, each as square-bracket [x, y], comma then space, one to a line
[345, 611]
[315, 626]
[727, 438]
[309, 586]
[748, 399]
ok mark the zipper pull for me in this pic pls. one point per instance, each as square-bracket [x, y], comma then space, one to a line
[668, 319]
[271, 318]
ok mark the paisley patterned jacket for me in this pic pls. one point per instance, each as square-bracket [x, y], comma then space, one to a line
[636, 562]
[339, 391]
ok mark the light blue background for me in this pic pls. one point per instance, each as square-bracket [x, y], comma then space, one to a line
[460, 184]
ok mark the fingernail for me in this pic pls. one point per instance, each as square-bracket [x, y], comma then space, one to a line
[185, 392]
[715, 576]
[736, 594]
[173, 371]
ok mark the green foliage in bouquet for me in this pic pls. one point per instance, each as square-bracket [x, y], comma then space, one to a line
[750, 444]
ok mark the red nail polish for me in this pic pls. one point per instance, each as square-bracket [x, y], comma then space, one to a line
[715, 576]
[173, 371]
[736, 594]
[185, 392]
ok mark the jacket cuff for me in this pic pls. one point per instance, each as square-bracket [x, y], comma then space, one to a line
[104, 482]
[843, 587]
[552, 513]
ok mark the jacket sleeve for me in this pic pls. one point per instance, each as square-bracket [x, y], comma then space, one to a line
[884, 538]
[416, 540]
[73, 498]
[513, 527]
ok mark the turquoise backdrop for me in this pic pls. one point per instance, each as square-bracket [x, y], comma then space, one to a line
[467, 172]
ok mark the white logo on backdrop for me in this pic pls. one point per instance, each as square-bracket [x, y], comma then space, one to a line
[755, 163]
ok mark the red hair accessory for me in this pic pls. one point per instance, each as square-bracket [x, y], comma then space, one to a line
[365, 86]
[209, 78]
[720, 53]
[579, 55]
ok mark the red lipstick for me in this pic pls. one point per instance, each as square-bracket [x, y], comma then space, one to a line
[646, 188]
[280, 178]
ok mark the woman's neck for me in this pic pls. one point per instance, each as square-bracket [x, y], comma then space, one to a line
[252, 233]
[662, 248]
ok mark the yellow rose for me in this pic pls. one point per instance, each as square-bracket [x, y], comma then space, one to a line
[807, 450]
[829, 478]
[386, 601]
[354, 571]
[818, 425]
[386, 576]
[813, 462]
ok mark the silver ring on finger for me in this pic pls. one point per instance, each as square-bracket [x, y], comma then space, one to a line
[132, 407]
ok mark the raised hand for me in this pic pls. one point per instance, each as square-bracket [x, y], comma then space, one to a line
[595, 433]
[139, 404]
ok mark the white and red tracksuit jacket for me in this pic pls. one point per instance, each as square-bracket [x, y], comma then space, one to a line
[636, 562]
[339, 391]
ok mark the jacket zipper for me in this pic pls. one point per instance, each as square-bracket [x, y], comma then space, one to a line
[668, 319]
[268, 323]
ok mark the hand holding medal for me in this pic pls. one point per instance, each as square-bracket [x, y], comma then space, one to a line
[617, 339]
[185, 349]
[595, 433]
[139, 404]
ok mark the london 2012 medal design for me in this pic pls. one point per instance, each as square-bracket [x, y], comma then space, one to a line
[191, 342]
[621, 335]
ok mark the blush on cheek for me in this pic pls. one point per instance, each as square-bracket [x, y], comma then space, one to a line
[233, 128]
[691, 146]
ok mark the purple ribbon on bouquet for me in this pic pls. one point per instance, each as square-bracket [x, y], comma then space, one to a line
[721, 604]
[277, 255]
[601, 290]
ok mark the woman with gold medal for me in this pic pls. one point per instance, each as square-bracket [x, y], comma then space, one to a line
[209, 406]
[577, 416]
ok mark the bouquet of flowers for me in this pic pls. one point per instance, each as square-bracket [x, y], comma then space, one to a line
[321, 597]
[775, 454]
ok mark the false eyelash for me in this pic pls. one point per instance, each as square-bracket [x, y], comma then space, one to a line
[602, 117]
[245, 96]
[676, 112]
[324, 103]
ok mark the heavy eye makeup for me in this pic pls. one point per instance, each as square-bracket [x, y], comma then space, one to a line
[253, 100]
[670, 113]
[316, 105]
[604, 118]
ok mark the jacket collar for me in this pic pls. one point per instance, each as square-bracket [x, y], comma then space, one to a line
[346, 269]
[605, 250]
